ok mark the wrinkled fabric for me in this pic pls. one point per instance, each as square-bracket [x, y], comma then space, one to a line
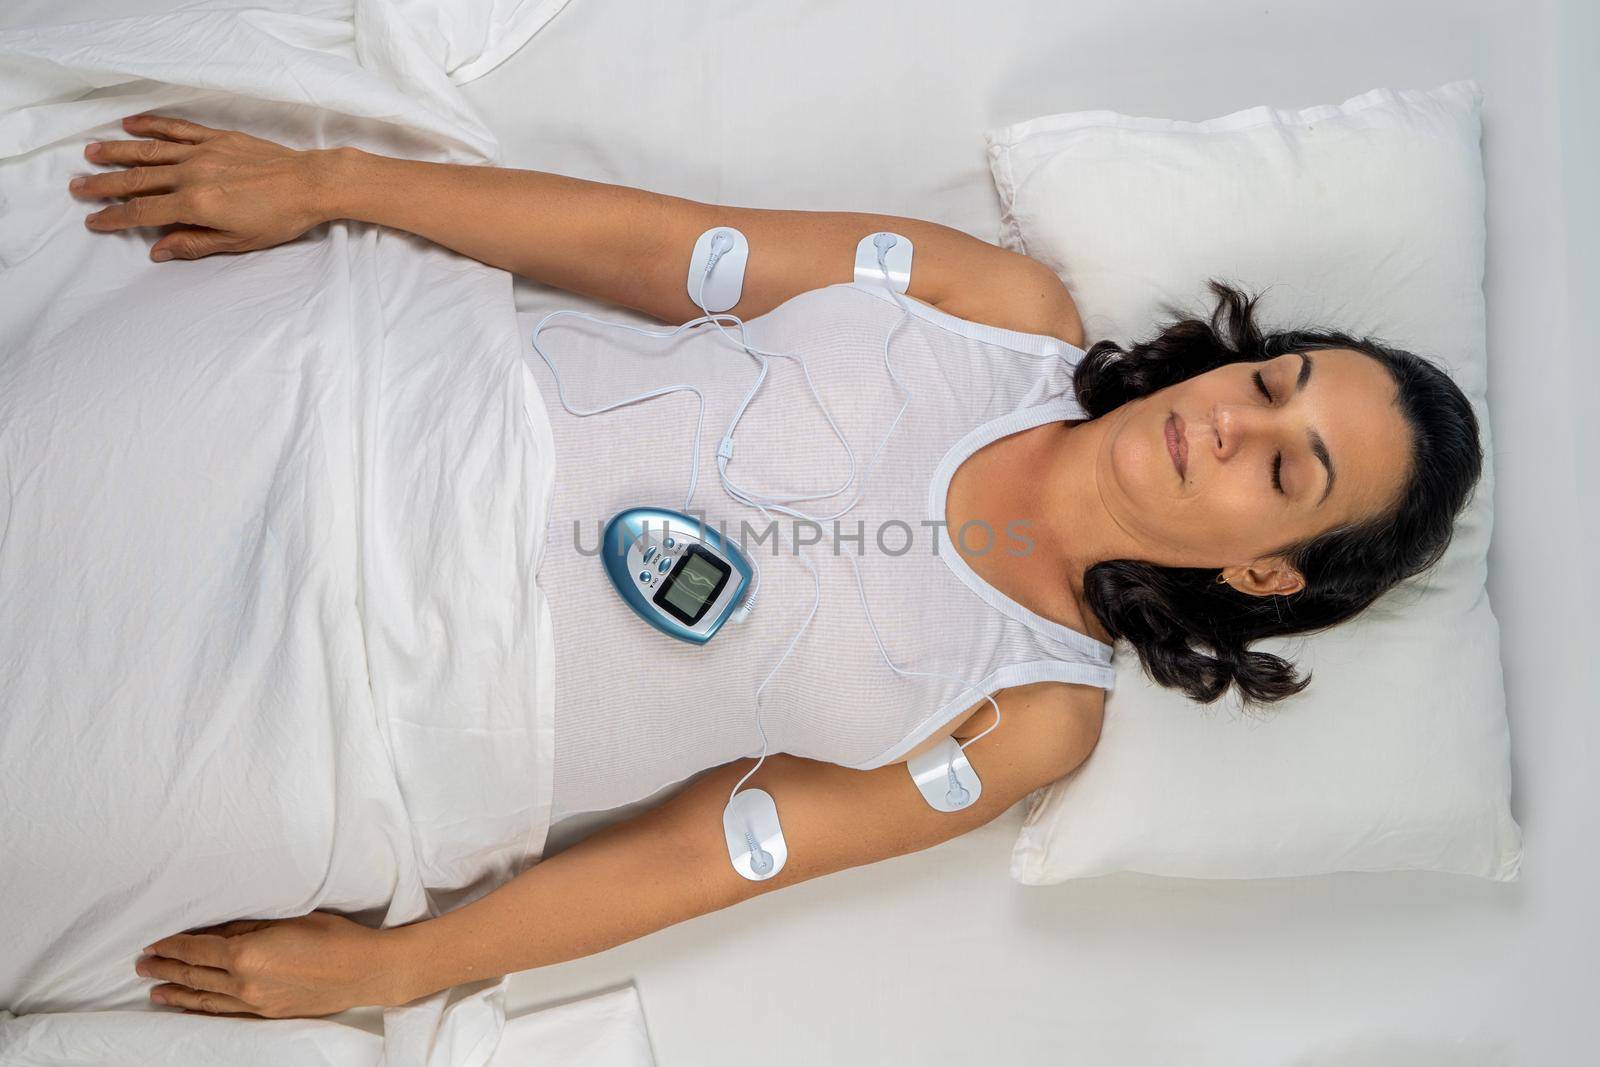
[268, 638]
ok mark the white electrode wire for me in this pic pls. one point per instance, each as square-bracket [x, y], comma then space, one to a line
[763, 502]
[723, 451]
[725, 447]
[925, 674]
[883, 267]
[561, 389]
[861, 589]
[757, 500]
[755, 354]
[816, 602]
[763, 505]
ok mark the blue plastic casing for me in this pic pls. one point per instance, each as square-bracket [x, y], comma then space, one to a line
[653, 553]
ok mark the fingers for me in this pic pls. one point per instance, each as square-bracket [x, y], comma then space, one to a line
[202, 950]
[163, 210]
[211, 979]
[137, 153]
[169, 128]
[173, 142]
[199, 1000]
[197, 244]
[140, 181]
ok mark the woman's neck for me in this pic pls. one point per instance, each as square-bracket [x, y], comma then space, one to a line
[1043, 477]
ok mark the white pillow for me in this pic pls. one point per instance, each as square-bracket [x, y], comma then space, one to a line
[469, 38]
[1366, 217]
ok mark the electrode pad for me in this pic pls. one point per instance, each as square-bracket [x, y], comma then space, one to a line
[722, 288]
[897, 259]
[947, 780]
[755, 840]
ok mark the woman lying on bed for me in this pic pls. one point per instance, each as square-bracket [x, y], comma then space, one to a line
[1188, 496]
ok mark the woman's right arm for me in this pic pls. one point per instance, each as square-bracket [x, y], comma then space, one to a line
[632, 247]
[656, 869]
[228, 191]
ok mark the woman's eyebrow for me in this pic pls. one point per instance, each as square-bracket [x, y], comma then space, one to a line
[1319, 448]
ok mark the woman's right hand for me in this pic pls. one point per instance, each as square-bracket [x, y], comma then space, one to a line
[226, 191]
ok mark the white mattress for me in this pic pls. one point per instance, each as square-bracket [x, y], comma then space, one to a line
[939, 956]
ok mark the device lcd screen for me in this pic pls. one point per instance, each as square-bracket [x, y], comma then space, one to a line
[692, 586]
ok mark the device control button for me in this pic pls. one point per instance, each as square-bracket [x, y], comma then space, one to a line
[649, 553]
[665, 564]
[644, 576]
[670, 543]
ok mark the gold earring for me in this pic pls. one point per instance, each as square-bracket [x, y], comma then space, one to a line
[1222, 579]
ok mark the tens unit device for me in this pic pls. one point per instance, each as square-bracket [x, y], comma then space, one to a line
[676, 573]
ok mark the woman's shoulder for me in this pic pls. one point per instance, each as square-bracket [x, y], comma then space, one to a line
[1056, 721]
[1042, 307]
[1042, 311]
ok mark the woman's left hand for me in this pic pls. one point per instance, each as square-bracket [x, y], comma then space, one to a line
[313, 965]
[227, 191]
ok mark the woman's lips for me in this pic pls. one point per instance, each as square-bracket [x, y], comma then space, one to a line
[1177, 444]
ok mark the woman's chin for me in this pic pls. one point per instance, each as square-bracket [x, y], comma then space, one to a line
[1143, 474]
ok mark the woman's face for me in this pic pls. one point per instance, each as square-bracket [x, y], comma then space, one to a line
[1219, 470]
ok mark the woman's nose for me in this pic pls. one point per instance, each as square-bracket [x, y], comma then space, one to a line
[1232, 427]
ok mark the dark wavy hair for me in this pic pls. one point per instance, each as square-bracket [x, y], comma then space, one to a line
[1163, 612]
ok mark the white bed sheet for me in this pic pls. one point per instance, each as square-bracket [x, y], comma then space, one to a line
[267, 642]
[881, 107]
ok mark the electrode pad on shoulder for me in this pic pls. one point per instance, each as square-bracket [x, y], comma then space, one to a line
[726, 251]
[897, 257]
[755, 839]
[945, 777]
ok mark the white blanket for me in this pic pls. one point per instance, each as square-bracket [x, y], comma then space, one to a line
[268, 641]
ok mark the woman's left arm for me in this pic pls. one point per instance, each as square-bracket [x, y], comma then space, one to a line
[662, 867]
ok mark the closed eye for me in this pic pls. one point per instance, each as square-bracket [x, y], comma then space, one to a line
[1277, 460]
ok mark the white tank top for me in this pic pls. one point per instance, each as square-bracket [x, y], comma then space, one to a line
[636, 710]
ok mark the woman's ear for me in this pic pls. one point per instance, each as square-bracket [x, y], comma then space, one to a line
[1274, 576]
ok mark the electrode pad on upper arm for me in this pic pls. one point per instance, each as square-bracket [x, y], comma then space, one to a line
[896, 257]
[755, 840]
[945, 777]
[725, 250]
